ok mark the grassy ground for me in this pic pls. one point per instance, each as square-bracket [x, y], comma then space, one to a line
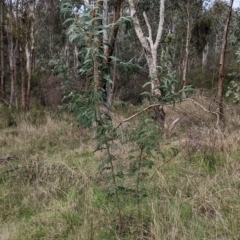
[51, 186]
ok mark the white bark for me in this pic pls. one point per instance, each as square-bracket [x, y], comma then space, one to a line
[2, 51]
[30, 51]
[222, 61]
[204, 56]
[12, 56]
[149, 45]
[75, 57]
[105, 22]
[187, 51]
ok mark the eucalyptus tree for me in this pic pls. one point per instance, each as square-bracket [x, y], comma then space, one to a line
[189, 21]
[47, 18]
[11, 27]
[149, 44]
[2, 64]
[95, 32]
[109, 39]
[30, 11]
[191, 8]
[222, 59]
[217, 13]
[20, 21]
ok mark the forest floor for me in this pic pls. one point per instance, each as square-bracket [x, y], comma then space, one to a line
[51, 186]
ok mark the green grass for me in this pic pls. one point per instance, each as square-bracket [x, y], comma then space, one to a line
[53, 189]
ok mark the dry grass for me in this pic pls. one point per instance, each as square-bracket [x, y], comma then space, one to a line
[52, 188]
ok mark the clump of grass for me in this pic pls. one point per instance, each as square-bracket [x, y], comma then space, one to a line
[51, 187]
[188, 203]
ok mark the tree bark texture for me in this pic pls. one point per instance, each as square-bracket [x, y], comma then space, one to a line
[110, 38]
[96, 42]
[204, 56]
[29, 50]
[187, 52]
[222, 61]
[9, 28]
[23, 76]
[2, 89]
[150, 47]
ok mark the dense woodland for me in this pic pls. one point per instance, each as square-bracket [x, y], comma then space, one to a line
[119, 119]
[48, 48]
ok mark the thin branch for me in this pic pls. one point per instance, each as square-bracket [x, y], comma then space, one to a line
[4, 101]
[160, 25]
[149, 38]
[7, 160]
[136, 114]
[138, 29]
[143, 110]
[215, 113]
[160, 104]
[167, 161]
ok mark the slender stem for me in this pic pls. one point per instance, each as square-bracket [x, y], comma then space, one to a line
[117, 194]
[136, 114]
[138, 181]
[164, 163]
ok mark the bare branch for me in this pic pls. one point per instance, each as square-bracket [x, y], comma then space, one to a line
[160, 25]
[4, 101]
[138, 29]
[136, 114]
[164, 163]
[150, 40]
[159, 104]
[215, 113]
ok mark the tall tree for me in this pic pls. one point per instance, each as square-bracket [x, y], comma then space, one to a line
[110, 39]
[150, 45]
[30, 46]
[222, 60]
[2, 81]
[189, 11]
[12, 49]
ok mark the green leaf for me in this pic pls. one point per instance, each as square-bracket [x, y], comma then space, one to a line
[146, 84]
[115, 59]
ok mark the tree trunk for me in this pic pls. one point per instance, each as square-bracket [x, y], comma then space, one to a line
[204, 56]
[150, 47]
[23, 80]
[222, 61]
[30, 53]
[150, 50]
[11, 55]
[111, 39]
[2, 89]
[110, 87]
[96, 42]
[186, 59]
[12, 68]
[187, 52]
[29, 66]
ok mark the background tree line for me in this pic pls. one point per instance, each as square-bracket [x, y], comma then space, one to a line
[43, 55]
